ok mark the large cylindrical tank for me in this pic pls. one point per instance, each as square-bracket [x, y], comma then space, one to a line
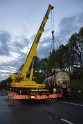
[60, 79]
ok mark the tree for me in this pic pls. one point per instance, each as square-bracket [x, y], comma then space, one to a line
[76, 47]
[62, 56]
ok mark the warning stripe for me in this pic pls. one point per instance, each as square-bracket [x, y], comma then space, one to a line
[55, 96]
[16, 96]
[11, 94]
[41, 97]
[29, 97]
[20, 97]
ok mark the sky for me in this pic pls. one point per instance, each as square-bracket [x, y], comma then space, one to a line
[19, 23]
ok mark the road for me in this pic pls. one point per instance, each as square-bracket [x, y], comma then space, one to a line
[48, 112]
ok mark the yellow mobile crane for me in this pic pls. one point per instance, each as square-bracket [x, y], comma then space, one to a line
[23, 87]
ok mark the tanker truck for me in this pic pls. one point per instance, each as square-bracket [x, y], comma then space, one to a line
[60, 81]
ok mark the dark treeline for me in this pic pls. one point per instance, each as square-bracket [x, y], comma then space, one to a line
[68, 57]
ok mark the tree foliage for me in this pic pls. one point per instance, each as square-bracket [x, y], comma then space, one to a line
[76, 47]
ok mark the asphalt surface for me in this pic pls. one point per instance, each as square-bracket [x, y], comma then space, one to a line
[47, 112]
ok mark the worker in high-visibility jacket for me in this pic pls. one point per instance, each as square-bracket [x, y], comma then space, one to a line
[54, 90]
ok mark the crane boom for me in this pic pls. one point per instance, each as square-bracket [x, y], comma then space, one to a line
[20, 79]
[33, 51]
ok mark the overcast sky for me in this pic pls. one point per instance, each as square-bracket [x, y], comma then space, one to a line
[19, 23]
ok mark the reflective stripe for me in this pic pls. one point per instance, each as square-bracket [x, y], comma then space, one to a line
[55, 95]
[11, 94]
[16, 96]
[41, 97]
[20, 97]
[29, 97]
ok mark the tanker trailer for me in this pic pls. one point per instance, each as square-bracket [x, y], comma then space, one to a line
[60, 81]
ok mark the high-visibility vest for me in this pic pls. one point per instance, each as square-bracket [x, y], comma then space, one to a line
[54, 90]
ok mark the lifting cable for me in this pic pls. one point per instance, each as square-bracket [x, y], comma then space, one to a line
[52, 31]
[52, 44]
[52, 19]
